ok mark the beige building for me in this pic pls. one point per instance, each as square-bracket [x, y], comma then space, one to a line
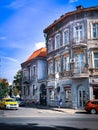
[72, 44]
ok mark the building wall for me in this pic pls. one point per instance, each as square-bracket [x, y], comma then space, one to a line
[76, 78]
[33, 71]
[42, 69]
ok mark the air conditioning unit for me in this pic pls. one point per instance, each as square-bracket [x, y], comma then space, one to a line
[72, 60]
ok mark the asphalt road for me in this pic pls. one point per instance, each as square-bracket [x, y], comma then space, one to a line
[37, 119]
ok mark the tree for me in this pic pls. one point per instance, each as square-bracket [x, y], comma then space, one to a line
[17, 83]
[4, 87]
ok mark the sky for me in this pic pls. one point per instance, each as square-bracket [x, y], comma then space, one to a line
[21, 28]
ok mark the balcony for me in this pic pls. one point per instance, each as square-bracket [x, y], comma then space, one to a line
[80, 43]
[51, 76]
[26, 80]
[93, 71]
[80, 72]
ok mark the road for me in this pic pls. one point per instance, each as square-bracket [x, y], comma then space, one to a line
[36, 119]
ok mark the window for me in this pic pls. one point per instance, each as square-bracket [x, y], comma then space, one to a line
[33, 71]
[28, 90]
[66, 63]
[33, 90]
[79, 64]
[50, 45]
[50, 67]
[95, 30]
[67, 94]
[96, 60]
[79, 33]
[24, 90]
[57, 66]
[57, 41]
[51, 94]
[66, 37]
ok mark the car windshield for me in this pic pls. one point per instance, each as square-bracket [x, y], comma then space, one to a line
[10, 100]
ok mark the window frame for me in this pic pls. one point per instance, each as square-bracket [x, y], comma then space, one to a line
[66, 30]
[57, 44]
[50, 44]
[79, 38]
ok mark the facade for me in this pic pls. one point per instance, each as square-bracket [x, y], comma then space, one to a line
[34, 75]
[72, 55]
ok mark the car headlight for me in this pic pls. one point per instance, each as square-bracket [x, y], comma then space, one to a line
[7, 105]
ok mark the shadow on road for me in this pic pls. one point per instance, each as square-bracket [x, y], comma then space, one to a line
[34, 126]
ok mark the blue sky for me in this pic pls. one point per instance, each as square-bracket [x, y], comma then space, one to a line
[21, 28]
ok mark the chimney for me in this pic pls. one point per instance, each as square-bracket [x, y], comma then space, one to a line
[79, 7]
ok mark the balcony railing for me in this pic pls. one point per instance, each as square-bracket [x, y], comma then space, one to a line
[93, 71]
[80, 72]
[81, 42]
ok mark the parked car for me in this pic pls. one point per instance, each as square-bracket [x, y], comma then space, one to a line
[20, 101]
[9, 103]
[92, 106]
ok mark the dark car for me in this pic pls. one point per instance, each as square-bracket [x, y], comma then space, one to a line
[92, 106]
[20, 101]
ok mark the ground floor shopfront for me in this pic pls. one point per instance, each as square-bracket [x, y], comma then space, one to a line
[73, 92]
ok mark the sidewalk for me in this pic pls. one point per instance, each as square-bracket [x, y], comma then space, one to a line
[69, 110]
[64, 110]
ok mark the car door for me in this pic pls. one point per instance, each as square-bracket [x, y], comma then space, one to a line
[97, 106]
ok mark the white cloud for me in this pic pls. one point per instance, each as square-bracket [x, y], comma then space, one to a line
[39, 45]
[72, 1]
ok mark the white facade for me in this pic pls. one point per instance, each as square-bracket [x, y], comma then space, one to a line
[72, 43]
[34, 77]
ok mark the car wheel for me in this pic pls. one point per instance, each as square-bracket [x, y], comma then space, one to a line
[93, 111]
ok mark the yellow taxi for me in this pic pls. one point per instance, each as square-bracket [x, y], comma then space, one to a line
[9, 103]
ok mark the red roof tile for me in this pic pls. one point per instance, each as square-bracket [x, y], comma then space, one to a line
[41, 52]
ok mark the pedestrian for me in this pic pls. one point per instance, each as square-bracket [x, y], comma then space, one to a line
[60, 102]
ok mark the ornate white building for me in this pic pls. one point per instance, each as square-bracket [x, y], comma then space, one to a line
[72, 45]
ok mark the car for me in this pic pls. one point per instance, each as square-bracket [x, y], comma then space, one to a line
[92, 106]
[20, 101]
[9, 103]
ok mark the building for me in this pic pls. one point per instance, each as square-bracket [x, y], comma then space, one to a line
[72, 55]
[34, 75]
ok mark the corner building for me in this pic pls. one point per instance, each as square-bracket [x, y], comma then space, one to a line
[72, 45]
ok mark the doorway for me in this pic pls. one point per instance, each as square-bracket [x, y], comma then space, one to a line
[81, 97]
[43, 97]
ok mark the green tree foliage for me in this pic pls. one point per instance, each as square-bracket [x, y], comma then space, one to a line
[17, 83]
[4, 87]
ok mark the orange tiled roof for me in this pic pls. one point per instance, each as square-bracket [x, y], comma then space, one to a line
[41, 52]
